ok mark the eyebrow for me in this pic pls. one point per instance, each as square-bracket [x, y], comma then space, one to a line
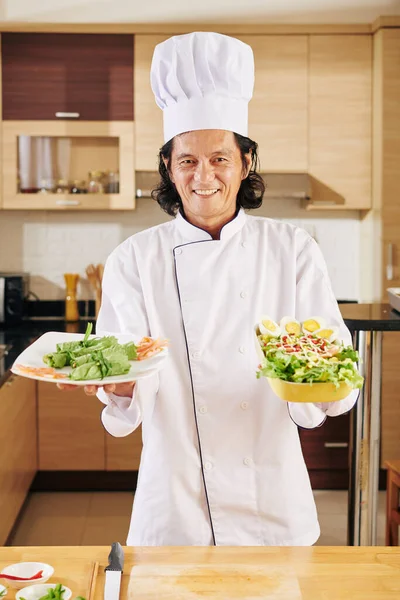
[225, 151]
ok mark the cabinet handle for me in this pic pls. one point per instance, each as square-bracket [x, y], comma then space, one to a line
[67, 115]
[336, 445]
[68, 202]
[389, 266]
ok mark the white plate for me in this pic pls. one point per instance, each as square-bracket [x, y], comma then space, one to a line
[26, 569]
[33, 357]
[34, 592]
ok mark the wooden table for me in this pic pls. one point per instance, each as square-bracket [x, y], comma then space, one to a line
[308, 573]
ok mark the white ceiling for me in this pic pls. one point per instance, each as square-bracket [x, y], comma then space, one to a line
[190, 11]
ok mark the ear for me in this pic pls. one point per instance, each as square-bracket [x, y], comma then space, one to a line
[165, 161]
[248, 167]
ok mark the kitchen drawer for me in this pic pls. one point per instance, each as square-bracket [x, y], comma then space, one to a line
[326, 447]
[45, 73]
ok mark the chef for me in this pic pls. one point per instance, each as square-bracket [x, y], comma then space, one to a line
[221, 462]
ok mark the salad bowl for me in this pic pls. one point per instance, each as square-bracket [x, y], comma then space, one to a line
[308, 392]
[310, 358]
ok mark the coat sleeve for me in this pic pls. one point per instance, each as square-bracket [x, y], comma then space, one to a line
[314, 297]
[123, 311]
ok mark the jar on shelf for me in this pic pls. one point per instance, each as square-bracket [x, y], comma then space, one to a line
[95, 182]
[46, 186]
[62, 187]
[113, 182]
[78, 187]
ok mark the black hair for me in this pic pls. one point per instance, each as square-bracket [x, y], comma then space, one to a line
[251, 191]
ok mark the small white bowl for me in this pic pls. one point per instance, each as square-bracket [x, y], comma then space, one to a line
[26, 569]
[34, 592]
[2, 588]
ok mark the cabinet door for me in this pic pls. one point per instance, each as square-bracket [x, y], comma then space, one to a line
[340, 114]
[278, 110]
[148, 116]
[327, 447]
[45, 73]
[123, 454]
[390, 443]
[71, 435]
[18, 448]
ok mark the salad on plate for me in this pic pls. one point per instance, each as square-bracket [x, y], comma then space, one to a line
[307, 352]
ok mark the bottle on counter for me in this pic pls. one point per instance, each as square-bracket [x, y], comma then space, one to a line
[71, 302]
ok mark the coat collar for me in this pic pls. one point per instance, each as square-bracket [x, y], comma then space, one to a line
[191, 233]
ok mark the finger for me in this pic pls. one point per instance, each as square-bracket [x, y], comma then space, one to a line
[66, 387]
[90, 390]
[110, 388]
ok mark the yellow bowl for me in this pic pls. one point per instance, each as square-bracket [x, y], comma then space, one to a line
[306, 392]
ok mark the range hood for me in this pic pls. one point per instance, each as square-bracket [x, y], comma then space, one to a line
[287, 186]
[279, 186]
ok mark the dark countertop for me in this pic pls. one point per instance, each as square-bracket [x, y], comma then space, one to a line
[358, 317]
[370, 317]
[20, 337]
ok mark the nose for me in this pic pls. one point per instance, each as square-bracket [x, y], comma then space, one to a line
[204, 172]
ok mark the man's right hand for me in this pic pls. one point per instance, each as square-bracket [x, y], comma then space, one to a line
[119, 389]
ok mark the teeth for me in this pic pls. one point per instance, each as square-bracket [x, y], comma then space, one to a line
[205, 192]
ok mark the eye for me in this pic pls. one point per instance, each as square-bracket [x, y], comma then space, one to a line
[187, 161]
[220, 159]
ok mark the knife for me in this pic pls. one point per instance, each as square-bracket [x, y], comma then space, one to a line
[114, 571]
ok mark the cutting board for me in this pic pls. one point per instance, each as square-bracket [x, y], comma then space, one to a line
[220, 581]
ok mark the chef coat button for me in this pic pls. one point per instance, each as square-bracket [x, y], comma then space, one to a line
[244, 405]
[196, 355]
[203, 409]
[248, 462]
[244, 244]
[208, 466]
[178, 251]
[242, 349]
[243, 294]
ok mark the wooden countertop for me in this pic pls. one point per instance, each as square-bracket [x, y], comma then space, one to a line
[307, 573]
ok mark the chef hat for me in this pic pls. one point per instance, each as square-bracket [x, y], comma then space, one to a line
[203, 80]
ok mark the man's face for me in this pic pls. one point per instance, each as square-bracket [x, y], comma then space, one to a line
[207, 170]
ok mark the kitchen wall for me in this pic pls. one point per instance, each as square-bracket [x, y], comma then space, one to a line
[48, 244]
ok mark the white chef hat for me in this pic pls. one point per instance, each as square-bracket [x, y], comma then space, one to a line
[203, 80]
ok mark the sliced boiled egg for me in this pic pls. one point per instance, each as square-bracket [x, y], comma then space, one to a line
[328, 333]
[268, 326]
[290, 326]
[312, 325]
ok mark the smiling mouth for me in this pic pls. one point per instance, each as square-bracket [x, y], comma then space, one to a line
[205, 192]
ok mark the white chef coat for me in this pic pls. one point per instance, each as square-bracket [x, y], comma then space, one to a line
[221, 461]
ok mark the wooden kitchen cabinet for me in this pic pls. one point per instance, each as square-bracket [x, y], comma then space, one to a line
[18, 448]
[68, 151]
[340, 119]
[148, 116]
[278, 111]
[326, 453]
[386, 209]
[123, 454]
[71, 435]
[47, 73]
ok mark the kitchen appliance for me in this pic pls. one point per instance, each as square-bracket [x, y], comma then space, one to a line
[13, 290]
